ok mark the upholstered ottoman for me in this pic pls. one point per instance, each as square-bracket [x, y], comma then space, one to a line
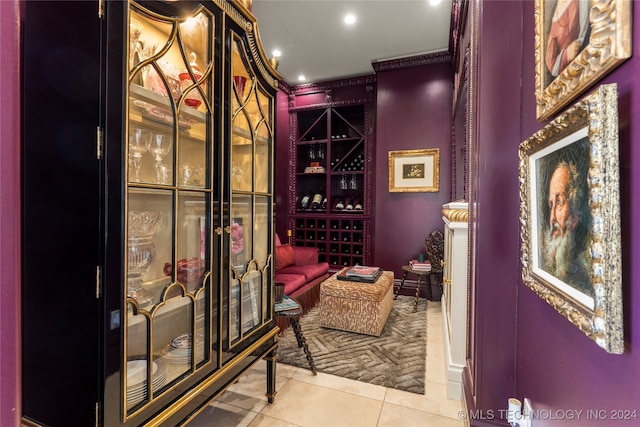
[355, 306]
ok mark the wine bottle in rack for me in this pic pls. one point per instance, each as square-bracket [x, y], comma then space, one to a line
[323, 205]
[339, 204]
[357, 204]
[316, 201]
[306, 200]
[349, 205]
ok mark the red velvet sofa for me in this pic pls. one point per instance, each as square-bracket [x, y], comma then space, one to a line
[298, 268]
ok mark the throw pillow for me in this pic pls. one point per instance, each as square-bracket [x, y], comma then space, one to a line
[284, 256]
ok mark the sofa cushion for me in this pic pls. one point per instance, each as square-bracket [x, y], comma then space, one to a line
[292, 282]
[284, 256]
[309, 271]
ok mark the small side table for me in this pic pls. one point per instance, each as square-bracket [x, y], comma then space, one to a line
[293, 314]
[423, 277]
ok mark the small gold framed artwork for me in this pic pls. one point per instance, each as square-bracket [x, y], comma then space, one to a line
[414, 171]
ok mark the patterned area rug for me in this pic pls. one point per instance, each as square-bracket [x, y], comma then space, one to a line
[395, 359]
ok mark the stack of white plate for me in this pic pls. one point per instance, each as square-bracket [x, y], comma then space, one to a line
[137, 379]
[180, 348]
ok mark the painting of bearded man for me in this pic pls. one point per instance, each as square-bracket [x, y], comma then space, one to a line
[564, 218]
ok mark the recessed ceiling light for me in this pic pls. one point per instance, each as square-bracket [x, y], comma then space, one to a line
[434, 2]
[349, 19]
[301, 78]
[276, 53]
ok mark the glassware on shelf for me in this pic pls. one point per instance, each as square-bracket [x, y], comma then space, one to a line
[141, 252]
[353, 184]
[344, 185]
[139, 140]
[187, 173]
[320, 152]
[144, 52]
[240, 81]
[237, 172]
[159, 146]
[312, 151]
[193, 98]
[165, 174]
[135, 29]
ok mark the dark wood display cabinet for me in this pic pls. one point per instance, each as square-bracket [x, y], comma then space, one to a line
[147, 209]
[333, 157]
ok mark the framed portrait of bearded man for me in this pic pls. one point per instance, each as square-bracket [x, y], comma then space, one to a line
[577, 42]
[570, 217]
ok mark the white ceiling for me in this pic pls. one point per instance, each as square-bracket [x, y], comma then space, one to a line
[315, 42]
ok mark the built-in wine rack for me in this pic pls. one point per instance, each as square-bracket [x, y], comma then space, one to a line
[341, 241]
[332, 173]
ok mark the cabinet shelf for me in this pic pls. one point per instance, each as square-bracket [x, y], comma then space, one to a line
[139, 93]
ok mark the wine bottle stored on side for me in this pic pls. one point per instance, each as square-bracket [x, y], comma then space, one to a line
[316, 201]
[305, 202]
[349, 205]
[339, 205]
[357, 206]
[323, 205]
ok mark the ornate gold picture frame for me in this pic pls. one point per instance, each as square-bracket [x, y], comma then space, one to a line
[568, 62]
[570, 217]
[414, 171]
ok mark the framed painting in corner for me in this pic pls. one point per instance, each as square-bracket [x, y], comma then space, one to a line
[577, 42]
[414, 170]
[570, 217]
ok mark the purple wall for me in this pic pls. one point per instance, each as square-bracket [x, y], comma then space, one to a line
[10, 388]
[538, 353]
[498, 129]
[413, 112]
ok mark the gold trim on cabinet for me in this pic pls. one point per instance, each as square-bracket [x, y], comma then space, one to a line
[248, 22]
[456, 215]
[200, 388]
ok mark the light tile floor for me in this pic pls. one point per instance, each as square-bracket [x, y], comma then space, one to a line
[304, 400]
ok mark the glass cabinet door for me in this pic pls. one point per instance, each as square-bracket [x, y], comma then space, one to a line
[251, 197]
[170, 190]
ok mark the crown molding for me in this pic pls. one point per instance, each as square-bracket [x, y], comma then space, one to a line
[411, 61]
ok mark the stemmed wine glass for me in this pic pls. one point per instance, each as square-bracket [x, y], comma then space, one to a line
[343, 182]
[353, 184]
[159, 146]
[187, 173]
[139, 140]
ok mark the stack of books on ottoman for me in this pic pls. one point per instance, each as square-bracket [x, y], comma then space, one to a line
[360, 273]
[420, 266]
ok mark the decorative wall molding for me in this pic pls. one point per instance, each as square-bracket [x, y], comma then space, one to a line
[304, 89]
[328, 87]
[412, 61]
